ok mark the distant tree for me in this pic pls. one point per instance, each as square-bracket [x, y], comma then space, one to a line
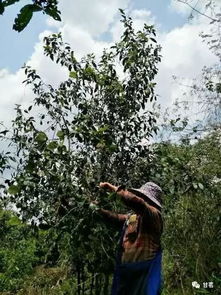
[190, 176]
[48, 7]
[202, 96]
[205, 8]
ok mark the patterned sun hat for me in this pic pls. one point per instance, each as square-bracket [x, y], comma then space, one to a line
[151, 191]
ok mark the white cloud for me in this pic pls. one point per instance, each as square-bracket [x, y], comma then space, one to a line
[12, 92]
[141, 16]
[81, 41]
[183, 55]
[94, 16]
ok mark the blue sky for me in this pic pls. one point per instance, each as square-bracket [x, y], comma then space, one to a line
[16, 48]
[165, 15]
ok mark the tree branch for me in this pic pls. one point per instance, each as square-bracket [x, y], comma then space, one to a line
[194, 9]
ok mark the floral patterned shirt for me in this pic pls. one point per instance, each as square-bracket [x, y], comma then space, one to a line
[142, 230]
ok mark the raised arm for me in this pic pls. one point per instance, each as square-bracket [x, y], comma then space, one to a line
[152, 216]
[130, 200]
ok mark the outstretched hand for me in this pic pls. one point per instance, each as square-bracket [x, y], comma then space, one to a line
[104, 185]
[95, 202]
[109, 186]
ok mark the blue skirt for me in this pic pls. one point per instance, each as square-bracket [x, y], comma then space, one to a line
[138, 278]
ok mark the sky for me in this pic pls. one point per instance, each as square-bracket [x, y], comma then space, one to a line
[89, 26]
[16, 47]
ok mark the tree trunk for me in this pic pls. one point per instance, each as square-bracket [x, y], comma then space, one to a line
[106, 285]
[97, 287]
[92, 284]
[83, 280]
[78, 279]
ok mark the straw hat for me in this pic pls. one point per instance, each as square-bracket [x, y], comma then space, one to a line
[150, 191]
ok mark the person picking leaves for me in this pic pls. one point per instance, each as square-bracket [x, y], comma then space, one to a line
[138, 269]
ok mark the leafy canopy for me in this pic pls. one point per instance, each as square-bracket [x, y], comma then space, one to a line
[89, 129]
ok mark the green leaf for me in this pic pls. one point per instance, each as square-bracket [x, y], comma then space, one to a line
[172, 190]
[73, 75]
[60, 134]
[195, 185]
[41, 137]
[102, 129]
[23, 18]
[53, 12]
[52, 145]
[218, 87]
[30, 166]
[13, 221]
[4, 132]
[10, 2]
[36, 8]
[2, 8]
[152, 39]
[201, 186]
[113, 148]
[13, 189]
